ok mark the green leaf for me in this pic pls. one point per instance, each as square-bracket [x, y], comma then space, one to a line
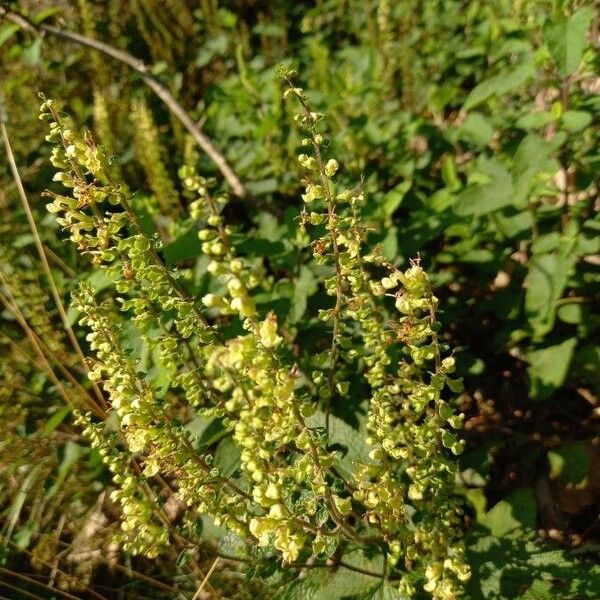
[548, 368]
[44, 15]
[393, 199]
[262, 187]
[305, 285]
[529, 160]
[347, 440]
[7, 31]
[544, 285]
[512, 567]
[449, 174]
[476, 129]
[535, 120]
[575, 121]
[566, 38]
[227, 456]
[383, 591]
[56, 419]
[570, 463]
[31, 54]
[572, 313]
[186, 246]
[389, 244]
[494, 194]
[206, 432]
[517, 511]
[72, 452]
[499, 85]
[341, 583]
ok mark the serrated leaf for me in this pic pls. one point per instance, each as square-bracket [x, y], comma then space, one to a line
[349, 442]
[566, 37]
[340, 583]
[511, 567]
[383, 591]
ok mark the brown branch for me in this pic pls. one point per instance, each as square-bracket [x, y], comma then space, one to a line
[158, 88]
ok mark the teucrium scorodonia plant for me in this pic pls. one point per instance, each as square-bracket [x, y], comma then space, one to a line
[287, 495]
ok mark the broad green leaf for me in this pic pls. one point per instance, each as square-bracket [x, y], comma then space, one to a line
[569, 463]
[476, 129]
[535, 120]
[529, 161]
[341, 583]
[499, 85]
[548, 368]
[227, 456]
[389, 244]
[544, 285]
[393, 199]
[265, 186]
[517, 511]
[206, 432]
[575, 121]
[31, 54]
[566, 38]
[572, 313]
[7, 31]
[305, 285]
[349, 442]
[494, 194]
[512, 567]
[383, 591]
[186, 246]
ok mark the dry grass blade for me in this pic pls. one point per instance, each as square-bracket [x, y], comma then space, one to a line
[205, 580]
[45, 357]
[42, 254]
[30, 580]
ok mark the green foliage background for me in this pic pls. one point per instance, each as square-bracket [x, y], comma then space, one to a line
[475, 125]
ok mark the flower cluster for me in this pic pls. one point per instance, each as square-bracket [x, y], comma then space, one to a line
[407, 491]
[286, 493]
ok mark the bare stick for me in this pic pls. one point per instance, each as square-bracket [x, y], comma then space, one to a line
[158, 88]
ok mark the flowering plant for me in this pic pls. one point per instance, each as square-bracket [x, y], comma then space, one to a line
[230, 360]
